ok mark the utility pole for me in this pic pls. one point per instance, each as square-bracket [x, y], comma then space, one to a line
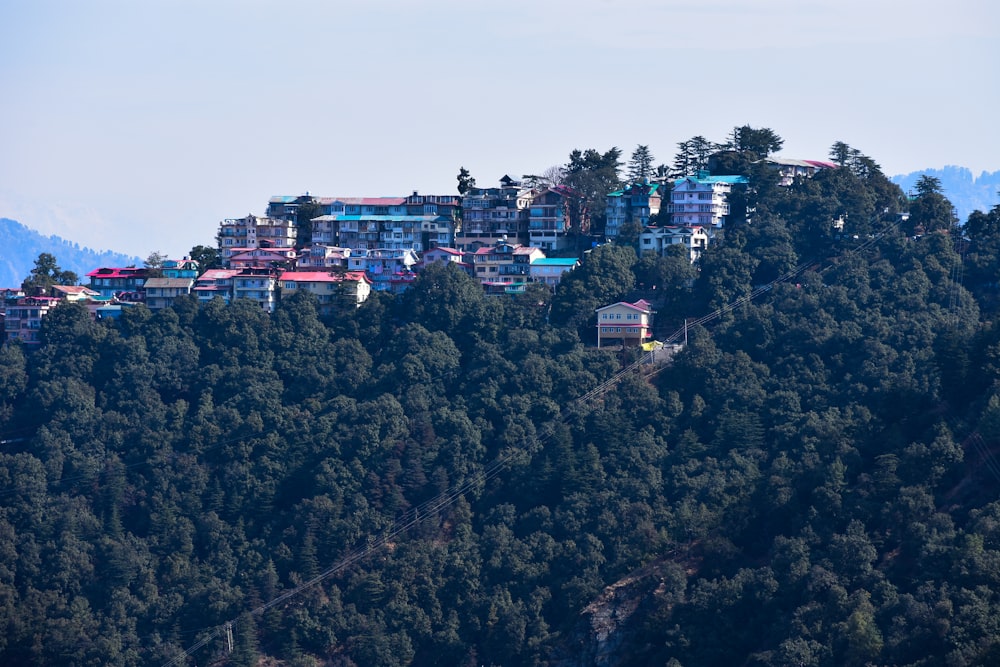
[229, 637]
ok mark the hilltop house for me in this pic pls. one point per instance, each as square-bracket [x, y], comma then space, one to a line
[627, 324]
[790, 169]
[702, 199]
[240, 234]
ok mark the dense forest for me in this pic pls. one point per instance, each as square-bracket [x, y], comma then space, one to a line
[812, 481]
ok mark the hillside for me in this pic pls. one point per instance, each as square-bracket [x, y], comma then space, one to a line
[966, 192]
[21, 246]
[448, 478]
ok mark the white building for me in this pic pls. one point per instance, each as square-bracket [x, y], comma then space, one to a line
[702, 200]
[659, 239]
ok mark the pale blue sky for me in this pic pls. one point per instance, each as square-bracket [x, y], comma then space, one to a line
[137, 125]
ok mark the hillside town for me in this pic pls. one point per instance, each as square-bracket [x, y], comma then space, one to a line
[341, 249]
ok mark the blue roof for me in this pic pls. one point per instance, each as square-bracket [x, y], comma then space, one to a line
[556, 261]
[732, 180]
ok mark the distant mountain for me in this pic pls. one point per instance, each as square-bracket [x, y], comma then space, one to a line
[966, 192]
[21, 246]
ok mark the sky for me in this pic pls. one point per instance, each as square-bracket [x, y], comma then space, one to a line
[137, 126]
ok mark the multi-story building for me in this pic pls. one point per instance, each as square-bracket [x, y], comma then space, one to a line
[659, 239]
[634, 204]
[550, 270]
[23, 317]
[124, 283]
[549, 218]
[239, 234]
[323, 257]
[257, 284]
[504, 267]
[702, 199]
[490, 215]
[442, 254]
[445, 206]
[384, 266]
[162, 292]
[334, 290]
[215, 283]
[625, 323]
[261, 258]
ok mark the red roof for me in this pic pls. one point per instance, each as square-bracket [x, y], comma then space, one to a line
[323, 276]
[127, 272]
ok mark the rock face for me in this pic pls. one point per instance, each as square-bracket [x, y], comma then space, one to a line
[607, 627]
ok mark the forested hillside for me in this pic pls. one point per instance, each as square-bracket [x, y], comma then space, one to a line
[22, 245]
[813, 481]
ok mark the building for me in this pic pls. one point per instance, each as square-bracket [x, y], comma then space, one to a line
[632, 205]
[122, 283]
[702, 199]
[244, 258]
[333, 289]
[323, 257]
[791, 169]
[259, 285]
[162, 292]
[504, 267]
[215, 283]
[550, 270]
[625, 324]
[383, 266]
[180, 268]
[659, 239]
[22, 319]
[494, 214]
[237, 235]
[550, 218]
[71, 292]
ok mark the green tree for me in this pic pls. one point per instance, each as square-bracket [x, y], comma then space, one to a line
[307, 209]
[840, 153]
[692, 155]
[931, 211]
[154, 264]
[604, 277]
[759, 141]
[640, 165]
[45, 274]
[593, 175]
[207, 257]
[465, 181]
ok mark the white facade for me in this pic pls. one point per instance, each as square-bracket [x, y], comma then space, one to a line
[659, 239]
[702, 200]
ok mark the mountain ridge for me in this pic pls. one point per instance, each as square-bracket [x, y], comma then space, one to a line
[23, 245]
